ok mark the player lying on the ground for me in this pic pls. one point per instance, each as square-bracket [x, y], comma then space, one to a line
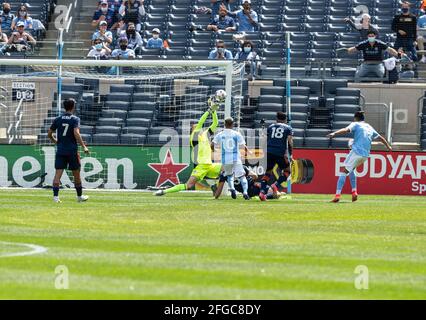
[230, 142]
[67, 128]
[364, 134]
[201, 151]
[280, 140]
[253, 187]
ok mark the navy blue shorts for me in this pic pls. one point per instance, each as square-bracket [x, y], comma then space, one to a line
[281, 161]
[71, 162]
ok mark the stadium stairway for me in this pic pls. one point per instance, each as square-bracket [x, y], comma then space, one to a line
[77, 41]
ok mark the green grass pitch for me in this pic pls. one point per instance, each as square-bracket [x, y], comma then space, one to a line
[127, 245]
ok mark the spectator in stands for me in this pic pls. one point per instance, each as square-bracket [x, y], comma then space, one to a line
[222, 22]
[246, 17]
[114, 4]
[6, 17]
[105, 14]
[3, 42]
[248, 55]
[155, 41]
[364, 26]
[22, 16]
[405, 26]
[421, 34]
[217, 4]
[132, 11]
[100, 50]
[134, 38]
[103, 34]
[123, 53]
[20, 40]
[372, 50]
[220, 53]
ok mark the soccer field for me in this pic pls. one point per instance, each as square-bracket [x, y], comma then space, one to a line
[125, 245]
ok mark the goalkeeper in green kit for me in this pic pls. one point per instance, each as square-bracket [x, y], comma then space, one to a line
[201, 148]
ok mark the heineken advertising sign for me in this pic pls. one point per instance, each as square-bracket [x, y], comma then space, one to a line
[106, 167]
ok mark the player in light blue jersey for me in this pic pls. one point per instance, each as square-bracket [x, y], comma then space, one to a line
[230, 142]
[364, 134]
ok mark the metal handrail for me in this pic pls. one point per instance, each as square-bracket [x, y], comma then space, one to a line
[389, 117]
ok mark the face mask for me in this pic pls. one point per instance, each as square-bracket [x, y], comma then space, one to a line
[22, 13]
[104, 10]
[247, 49]
[6, 11]
[98, 46]
[221, 50]
[123, 47]
[155, 36]
[371, 39]
[405, 10]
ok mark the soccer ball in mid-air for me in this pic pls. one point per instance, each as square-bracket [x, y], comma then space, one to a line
[220, 95]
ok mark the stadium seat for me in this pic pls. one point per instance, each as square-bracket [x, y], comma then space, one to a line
[346, 108]
[317, 133]
[132, 139]
[317, 142]
[344, 117]
[118, 96]
[134, 130]
[105, 139]
[122, 88]
[115, 122]
[298, 142]
[138, 122]
[117, 105]
[143, 105]
[108, 129]
[145, 114]
[114, 113]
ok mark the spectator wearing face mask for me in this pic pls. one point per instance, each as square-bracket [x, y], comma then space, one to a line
[134, 38]
[421, 34]
[6, 17]
[248, 55]
[132, 11]
[246, 17]
[363, 27]
[103, 33]
[222, 22]
[405, 26]
[105, 14]
[372, 50]
[22, 16]
[155, 41]
[99, 50]
[220, 53]
[123, 53]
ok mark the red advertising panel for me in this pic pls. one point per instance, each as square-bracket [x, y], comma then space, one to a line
[385, 173]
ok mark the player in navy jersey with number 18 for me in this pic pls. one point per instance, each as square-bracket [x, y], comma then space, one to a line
[67, 128]
[280, 140]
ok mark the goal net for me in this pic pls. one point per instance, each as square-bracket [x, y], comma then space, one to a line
[148, 106]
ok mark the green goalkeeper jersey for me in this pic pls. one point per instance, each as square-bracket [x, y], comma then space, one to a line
[200, 139]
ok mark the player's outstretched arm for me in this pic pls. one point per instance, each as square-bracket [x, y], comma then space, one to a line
[215, 122]
[79, 139]
[339, 132]
[385, 142]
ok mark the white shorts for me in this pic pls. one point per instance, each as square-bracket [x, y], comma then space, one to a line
[235, 169]
[353, 161]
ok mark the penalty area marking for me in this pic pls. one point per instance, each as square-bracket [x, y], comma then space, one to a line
[35, 249]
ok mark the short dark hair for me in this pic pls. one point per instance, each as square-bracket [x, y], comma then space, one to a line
[229, 122]
[359, 115]
[247, 43]
[281, 116]
[372, 31]
[69, 104]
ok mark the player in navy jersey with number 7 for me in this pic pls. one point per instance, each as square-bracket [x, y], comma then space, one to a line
[67, 128]
[280, 142]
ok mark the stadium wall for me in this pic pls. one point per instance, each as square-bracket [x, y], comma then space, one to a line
[397, 173]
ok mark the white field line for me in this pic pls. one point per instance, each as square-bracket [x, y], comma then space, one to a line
[35, 249]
